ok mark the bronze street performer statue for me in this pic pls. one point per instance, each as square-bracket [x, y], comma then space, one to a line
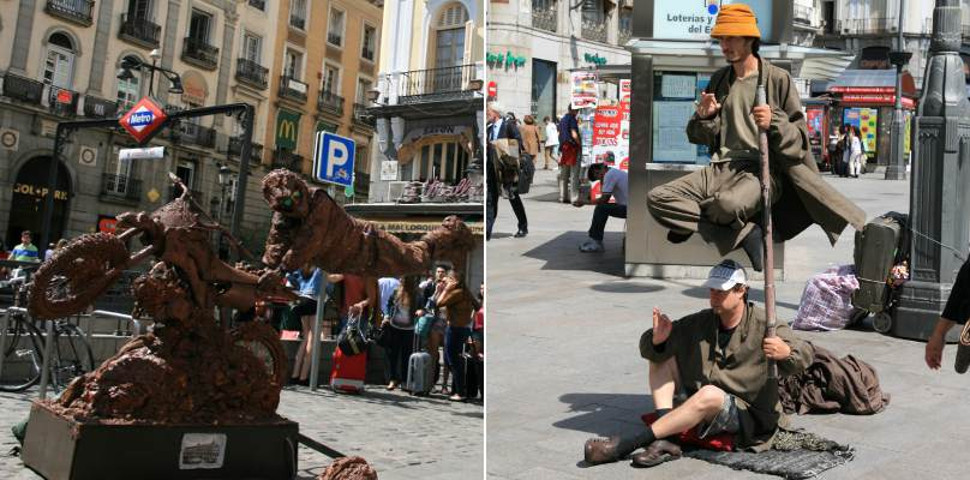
[721, 200]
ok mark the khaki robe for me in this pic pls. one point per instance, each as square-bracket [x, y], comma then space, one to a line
[806, 198]
[741, 369]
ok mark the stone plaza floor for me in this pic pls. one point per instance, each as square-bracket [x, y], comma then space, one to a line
[564, 365]
[401, 436]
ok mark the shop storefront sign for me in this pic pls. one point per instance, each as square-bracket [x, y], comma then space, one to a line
[878, 99]
[287, 129]
[38, 191]
[583, 90]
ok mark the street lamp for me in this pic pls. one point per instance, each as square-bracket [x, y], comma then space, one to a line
[896, 170]
[131, 63]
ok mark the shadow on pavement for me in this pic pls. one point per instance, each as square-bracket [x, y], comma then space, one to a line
[605, 414]
[625, 287]
[562, 253]
[551, 197]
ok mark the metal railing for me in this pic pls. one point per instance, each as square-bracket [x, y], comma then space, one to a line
[361, 115]
[252, 73]
[329, 102]
[335, 39]
[95, 107]
[198, 135]
[868, 26]
[260, 4]
[298, 22]
[197, 51]
[77, 11]
[803, 14]
[22, 88]
[293, 88]
[288, 160]
[437, 83]
[120, 186]
[235, 148]
[545, 15]
[140, 31]
[594, 30]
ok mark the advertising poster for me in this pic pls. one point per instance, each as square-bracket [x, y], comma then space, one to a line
[866, 120]
[583, 90]
[693, 19]
[815, 117]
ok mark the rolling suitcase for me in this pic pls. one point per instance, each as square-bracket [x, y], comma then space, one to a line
[348, 372]
[474, 374]
[420, 371]
[880, 245]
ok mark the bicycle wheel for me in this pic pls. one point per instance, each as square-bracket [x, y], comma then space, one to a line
[23, 356]
[76, 275]
[72, 355]
[263, 342]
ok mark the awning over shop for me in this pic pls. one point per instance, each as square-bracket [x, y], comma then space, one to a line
[826, 68]
[872, 82]
[417, 225]
[419, 137]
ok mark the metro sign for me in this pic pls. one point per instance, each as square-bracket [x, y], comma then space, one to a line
[143, 119]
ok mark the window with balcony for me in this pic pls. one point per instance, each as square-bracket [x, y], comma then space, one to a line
[252, 47]
[335, 28]
[197, 48]
[129, 91]
[293, 66]
[59, 63]
[449, 48]
[364, 85]
[298, 14]
[595, 19]
[545, 14]
[291, 85]
[330, 99]
[368, 44]
[249, 68]
[137, 25]
[199, 26]
[331, 79]
[140, 9]
[76, 11]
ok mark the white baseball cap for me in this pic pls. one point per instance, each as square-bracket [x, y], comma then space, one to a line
[726, 275]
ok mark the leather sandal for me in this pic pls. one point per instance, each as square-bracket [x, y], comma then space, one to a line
[658, 452]
[606, 450]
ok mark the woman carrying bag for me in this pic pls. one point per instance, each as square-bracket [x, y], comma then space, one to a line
[397, 330]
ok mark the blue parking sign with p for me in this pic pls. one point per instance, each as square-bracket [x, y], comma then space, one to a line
[333, 160]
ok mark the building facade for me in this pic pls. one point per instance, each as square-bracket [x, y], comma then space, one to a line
[534, 44]
[325, 60]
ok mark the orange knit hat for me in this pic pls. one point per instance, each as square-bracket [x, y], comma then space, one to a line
[736, 20]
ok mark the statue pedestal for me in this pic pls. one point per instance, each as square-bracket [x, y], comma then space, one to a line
[61, 448]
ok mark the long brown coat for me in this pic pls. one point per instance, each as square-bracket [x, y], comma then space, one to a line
[530, 139]
[741, 369]
[814, 200]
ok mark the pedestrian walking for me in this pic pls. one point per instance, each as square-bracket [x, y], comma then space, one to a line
[854, 152]
[571, 154]
[552, 142]
[500, 127]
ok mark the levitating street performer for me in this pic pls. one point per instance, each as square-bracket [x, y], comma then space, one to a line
[719, 358]
[721, 200]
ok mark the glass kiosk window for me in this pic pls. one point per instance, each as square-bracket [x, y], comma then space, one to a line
[674, 94]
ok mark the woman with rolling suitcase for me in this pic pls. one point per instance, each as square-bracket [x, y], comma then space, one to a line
[397, 330]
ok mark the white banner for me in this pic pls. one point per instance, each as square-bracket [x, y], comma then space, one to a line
[141, 153]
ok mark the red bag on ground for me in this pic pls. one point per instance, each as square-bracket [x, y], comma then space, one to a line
[723, 442]
[348, 372]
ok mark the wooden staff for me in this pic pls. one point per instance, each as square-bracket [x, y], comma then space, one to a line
[761, 99]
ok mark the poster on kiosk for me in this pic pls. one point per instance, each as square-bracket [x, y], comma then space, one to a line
[611, 134]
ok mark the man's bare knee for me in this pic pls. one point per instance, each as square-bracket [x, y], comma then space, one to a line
[709, 398]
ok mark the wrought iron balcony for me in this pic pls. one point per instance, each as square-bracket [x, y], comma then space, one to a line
[140, 31]
[328, 102]
[335, 39]
[361, 116]
[62, 102]
[594, 30]
[22, 88]
[288, 160]
[260, 4]
[437, 84]
[868, 26]
[120, 187]
[545, 15]
[293, 89]
[75, 11]
[95, 107]
[298, 22]
[251, 73]
[198, 135]
[255, 151]
[199, 53]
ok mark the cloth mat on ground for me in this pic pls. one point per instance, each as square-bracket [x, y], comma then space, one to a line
[794, 455]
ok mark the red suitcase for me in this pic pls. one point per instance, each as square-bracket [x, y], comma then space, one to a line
[348, 372]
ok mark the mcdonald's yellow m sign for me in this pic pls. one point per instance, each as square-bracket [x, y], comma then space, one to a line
[287, 129]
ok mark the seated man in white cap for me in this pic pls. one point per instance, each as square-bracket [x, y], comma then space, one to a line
[718, 356]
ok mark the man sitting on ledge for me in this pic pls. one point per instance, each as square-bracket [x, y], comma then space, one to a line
[719, 357]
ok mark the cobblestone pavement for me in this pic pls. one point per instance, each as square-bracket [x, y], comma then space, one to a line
[564, 364]
[403, 437]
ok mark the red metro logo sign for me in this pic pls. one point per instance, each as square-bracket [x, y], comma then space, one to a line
[143, 119]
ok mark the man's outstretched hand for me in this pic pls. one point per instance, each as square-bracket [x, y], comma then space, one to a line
[708, 106]
[661, 326]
